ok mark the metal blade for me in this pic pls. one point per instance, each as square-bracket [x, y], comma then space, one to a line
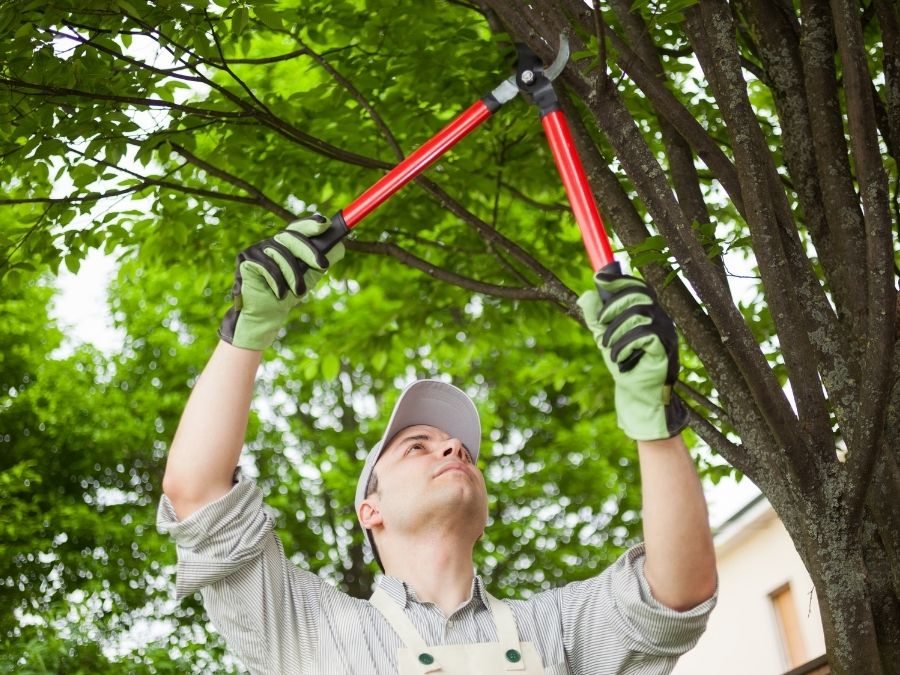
[559, 62]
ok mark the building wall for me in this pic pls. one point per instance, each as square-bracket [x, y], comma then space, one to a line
[755, 558]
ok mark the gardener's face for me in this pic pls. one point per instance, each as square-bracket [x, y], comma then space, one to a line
[427, 478]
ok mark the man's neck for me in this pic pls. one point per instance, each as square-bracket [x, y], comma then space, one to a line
[438, 568]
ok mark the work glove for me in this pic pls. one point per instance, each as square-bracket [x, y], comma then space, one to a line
[640, 348]
[271, 278]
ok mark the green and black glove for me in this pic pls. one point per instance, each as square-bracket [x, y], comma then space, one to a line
[640, 348]
[271, 278]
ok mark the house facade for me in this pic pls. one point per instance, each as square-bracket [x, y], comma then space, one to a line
[767, 619]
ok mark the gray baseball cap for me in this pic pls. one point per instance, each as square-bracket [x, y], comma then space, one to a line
[430, 402]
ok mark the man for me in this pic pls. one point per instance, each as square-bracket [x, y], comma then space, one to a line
[423, 504]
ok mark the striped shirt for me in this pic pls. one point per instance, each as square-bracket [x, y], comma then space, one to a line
[280, 619]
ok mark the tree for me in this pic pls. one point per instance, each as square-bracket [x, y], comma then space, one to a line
[722, 140]
[80, 560]
[797, 121]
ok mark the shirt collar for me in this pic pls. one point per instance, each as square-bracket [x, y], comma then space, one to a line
[401, 593]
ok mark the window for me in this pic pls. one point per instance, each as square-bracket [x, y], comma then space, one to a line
[789, 625]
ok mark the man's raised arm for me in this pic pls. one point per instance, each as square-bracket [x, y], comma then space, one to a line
[272, 276]
[640, 347]
[681, 560]
[210, 436]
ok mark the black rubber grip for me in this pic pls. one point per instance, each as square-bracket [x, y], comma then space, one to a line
[329, 238]
[612, 269]
[491, 103]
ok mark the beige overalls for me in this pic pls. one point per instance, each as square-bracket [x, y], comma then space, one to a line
[481, 658]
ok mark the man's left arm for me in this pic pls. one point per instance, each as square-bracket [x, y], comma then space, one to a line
[640, 348]
[680, 564]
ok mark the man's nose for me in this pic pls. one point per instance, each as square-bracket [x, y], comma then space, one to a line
[455, 447]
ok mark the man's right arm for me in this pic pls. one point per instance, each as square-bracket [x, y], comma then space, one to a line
[271, 278]
[210, 436]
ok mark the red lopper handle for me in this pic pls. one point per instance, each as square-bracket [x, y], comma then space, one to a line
[416, 163]
[593, 233]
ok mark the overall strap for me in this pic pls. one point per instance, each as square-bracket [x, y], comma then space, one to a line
[507, 634]
[405, 629]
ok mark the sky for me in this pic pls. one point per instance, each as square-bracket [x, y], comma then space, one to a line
[82, 309]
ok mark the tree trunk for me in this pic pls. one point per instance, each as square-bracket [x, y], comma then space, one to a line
[856, 567]
[844, 585]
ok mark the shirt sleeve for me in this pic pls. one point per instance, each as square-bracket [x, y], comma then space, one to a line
[616, 612]
[265, 607]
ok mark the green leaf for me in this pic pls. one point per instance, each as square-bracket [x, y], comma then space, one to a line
[269, 16]
[24, 30]
[129, 8]
[240, 20]
[379, 361]
[331, 366]
[73, 262]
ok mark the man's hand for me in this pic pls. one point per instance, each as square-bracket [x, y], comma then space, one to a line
[640, 348]
[271, 278]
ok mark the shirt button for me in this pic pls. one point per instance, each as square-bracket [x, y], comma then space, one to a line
[426, 658]
[513, 656]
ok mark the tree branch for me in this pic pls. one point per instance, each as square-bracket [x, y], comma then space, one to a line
[518, 194]
[495, 210]
[865, 439]
[670, 108]
[262, 114]
[74, 198]
[35, 89]
[681, 160]
[410, 260]
[143, 65]
[685, 389]
[227, 69]
[890, 38]
[550, 282]
[400, 234]
[778, 48]
[710, 28]
[841, 204]
[261, 198]
[359, 98]
[31, 230]
[735, 454]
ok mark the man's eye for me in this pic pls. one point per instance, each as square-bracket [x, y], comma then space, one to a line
[414, 446]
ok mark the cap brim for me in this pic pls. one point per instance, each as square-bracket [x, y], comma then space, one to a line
[440, 405]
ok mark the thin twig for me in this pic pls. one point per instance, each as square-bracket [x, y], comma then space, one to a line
[259, 195]
[359, 98]
[693, 394]
[25, 237]
[550, 208]
[35, 89]
[231, 73]
[600, 32]
[735, 454]
[410, 260]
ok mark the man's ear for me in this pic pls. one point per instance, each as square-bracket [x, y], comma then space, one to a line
[370, 513]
